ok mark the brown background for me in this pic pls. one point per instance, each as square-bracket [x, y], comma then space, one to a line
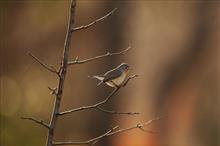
[175, 50]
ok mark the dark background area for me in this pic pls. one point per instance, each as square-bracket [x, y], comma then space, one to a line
[175, 50]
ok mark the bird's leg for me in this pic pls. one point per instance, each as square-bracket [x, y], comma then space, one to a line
[115, 84]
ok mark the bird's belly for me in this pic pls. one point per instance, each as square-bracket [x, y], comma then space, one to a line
[110, 84]
[118, 81]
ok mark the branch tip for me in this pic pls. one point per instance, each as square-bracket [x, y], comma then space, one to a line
[38, 121]
[115, 112]
[95, 21]
[108, 54]
[47, 67]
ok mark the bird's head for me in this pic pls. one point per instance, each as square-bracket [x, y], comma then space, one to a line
[124, 67]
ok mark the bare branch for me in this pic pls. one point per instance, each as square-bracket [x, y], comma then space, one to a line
[88, 142]
[62, 73]
[90, 106]
[94, 140]
[99, 103]
[40, 122]
[129, 78]
[139, 125]
[109, 133]
[49, 68]
[115, 112]
[95, 21]
[77, 61]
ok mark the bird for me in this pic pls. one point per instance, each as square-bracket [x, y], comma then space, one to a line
[114, 77]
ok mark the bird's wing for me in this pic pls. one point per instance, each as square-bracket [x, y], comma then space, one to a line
[112, 74]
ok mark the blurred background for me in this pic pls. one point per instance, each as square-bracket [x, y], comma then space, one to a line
[175, 50]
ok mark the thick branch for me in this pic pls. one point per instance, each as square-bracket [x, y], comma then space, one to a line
[99, 103]
[77, 61]
[95, 21]
[62, 73]
[109, 133]
[40, 122]
[47, 67]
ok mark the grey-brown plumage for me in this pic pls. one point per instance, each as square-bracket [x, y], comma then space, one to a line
[114, 77]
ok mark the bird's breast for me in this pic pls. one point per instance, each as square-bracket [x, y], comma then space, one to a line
[118, 81]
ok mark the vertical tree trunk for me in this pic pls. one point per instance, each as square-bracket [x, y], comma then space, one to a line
[63, 71]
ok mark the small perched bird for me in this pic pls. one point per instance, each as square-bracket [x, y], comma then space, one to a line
[114, 77]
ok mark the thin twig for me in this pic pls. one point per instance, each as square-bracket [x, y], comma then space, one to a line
[94, 140]
[148, 131]
[77, 61]
[109, 133]
[40, 122]
[90, 106]
[99, 103]
[136, 126]
[95, 21]
[49, 68]
[129, 78]
[88, 142]
[115, 112]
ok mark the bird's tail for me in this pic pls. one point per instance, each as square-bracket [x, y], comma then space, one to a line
[99, 78]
